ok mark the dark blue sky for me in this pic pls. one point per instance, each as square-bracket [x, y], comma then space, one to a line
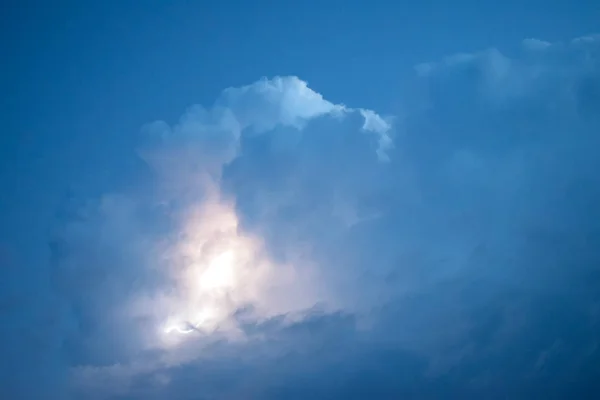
[446, 237]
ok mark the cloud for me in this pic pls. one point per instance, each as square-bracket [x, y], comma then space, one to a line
[165, 271]
[311, 249]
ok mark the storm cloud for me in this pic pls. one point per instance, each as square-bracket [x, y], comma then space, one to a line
[318, 250]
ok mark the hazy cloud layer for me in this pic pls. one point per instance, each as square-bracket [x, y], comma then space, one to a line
[314, 250]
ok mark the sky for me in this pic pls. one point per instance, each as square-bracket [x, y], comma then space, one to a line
[289, 200]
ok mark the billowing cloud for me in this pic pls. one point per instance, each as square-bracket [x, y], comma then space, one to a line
[170, 270]
[289, 247]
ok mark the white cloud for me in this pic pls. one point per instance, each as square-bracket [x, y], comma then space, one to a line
[267, 103]
[374, 123]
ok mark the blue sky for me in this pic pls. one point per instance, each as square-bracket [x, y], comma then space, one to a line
[345, 199]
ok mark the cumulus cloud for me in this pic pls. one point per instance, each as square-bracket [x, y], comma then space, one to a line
[168, 271]
[290, 247]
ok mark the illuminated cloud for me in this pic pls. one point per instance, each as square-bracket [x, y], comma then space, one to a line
[217, 268]
[294, 247]
[171, 270]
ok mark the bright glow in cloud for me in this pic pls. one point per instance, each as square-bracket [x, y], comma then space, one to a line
[216, 269]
